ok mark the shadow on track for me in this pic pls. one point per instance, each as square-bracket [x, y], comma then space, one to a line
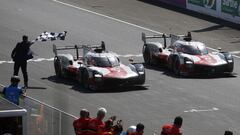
[169, 73]
[77, 87]
[37, 88]
[218, 21]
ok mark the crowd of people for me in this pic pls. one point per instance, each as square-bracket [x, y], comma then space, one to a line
[85, 125]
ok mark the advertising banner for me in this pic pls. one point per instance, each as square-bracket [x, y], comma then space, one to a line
[231, 7]
[210, 4]
[178, 3]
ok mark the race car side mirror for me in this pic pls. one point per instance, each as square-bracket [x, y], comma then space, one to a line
[170, 49]
[219, 49]
[130, 60]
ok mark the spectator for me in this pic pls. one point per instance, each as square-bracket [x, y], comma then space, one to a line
[173, 129]
[96, 124]
[20, 54]
[228, 132]
[130, 130]
[107, 129]
[118, 128]
[139, 129]
[81, 125]
[13, 92]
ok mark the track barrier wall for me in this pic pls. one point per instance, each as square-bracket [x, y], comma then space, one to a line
[228, 10]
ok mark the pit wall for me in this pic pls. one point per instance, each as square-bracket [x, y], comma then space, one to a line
[225, 9]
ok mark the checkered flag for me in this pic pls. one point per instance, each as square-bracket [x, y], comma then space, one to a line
[51, 36]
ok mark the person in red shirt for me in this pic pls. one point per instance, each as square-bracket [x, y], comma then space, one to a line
[81, 125]
[173, 129]
[96, 125]
[139, 129]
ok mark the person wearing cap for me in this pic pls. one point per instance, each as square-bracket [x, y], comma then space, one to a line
[20, 54]
[13, 92]
[173, 129]
[81, 125]
[139, 129]
[96, 125]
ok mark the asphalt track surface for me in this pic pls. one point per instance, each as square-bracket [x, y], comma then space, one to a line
[208, 105]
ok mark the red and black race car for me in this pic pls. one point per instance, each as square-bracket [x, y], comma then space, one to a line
[184, 56]
[97, 68]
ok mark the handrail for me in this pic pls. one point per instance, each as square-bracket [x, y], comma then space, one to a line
[54, 108]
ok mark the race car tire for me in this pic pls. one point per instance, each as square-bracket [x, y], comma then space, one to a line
[85, 79]
[147, 55]
[57, 67]
[176, 67]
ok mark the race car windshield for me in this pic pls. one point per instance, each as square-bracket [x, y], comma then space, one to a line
[192, 50]
[106, 61]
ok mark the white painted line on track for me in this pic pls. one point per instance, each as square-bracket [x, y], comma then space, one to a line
[206, 110]
[51, 59]
[47, 105]
[235, 52]
[118, 20]
[112, 18]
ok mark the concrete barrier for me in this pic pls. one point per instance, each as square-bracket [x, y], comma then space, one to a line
[225, 9]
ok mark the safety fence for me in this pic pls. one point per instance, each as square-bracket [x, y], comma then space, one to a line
[43, 119]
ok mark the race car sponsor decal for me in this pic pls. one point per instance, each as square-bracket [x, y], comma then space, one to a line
[210, 59]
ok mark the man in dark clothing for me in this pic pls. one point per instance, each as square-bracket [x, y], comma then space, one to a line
[20, 54]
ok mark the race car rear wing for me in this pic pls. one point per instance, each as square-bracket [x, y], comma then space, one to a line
[173, 37]
[164, 36]
[187, 37]
[85, 48]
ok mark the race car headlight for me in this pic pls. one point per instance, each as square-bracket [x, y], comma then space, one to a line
[97, 75]
[229, 58]
[230, 61]
[188, 61]
[141, 72]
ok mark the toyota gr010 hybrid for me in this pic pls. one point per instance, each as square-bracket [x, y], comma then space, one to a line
[184, 56]
[96, 68]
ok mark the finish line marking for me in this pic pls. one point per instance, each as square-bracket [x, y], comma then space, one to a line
[51, 59]
[121, 21]
[207, 110]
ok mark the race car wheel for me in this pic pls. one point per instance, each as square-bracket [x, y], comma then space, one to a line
[147, 56]
[85, 81]
[176, 67]
[57, 67]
